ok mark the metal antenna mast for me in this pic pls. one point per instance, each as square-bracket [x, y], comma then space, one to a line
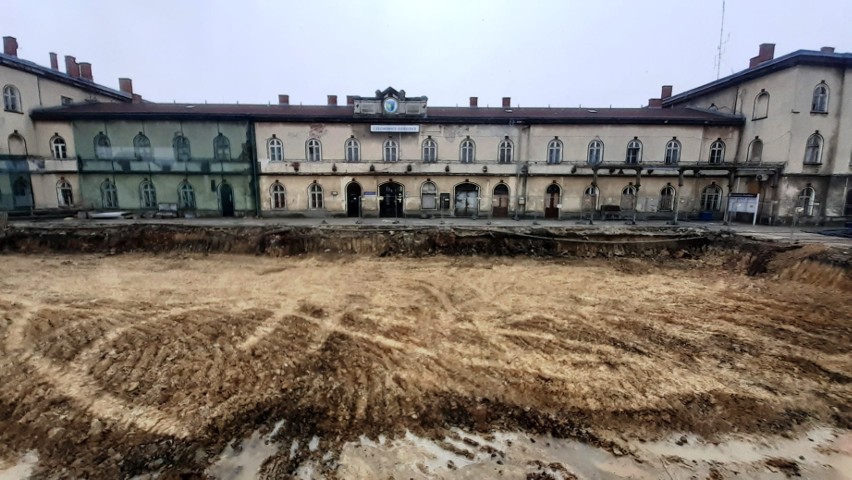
[721, 43]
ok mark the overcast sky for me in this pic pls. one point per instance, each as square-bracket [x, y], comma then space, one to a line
[558, 53]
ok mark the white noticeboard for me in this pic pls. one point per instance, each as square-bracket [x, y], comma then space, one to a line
[395, 128]
[744, 203]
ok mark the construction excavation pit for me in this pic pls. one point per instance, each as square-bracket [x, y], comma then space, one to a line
[535, 354]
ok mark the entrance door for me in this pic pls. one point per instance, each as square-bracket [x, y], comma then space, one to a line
[847, 210]
[353, 200]
[390, 201]
[22, 193]
[467, 200]
[500, 201]
[551, 201]
[226, 196]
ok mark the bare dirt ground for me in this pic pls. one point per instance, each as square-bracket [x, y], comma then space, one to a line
[115, 366]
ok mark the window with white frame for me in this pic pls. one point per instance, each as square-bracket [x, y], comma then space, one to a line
[806, 201]
[390, 151]
[109, 194]
[277, 196]
[11, 99]
[313, 150]
[64, 193]
[505, 151]
[596, 151]
[634, 152]
[142, 148]
[275, 149]
[58, 147]
[186, 196]
[315, 197]
[147, 194]
[467, 151]
[717, 152]
[428, 196]
[103, 148]
[819, 103]
[672, 152]
[761, 105]
[430, 150]
[711, 198]
[755, 151]
[554, 151]
[813, 150]
[180, 145]
[221, 147]
[353, 150]
[667, 198]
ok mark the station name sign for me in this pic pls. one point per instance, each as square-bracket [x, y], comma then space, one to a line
[395, 128]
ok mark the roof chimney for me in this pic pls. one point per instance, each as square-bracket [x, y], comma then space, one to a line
[332, 100]
[71, 67]
[86, 71]
[350, 99]
[827, 49]
[765, 53]
[283, 99]
[474, 102]
[507, 102]
[655, 103]
[666, 92]
[125, 85]
[54, 61]
[10, 46]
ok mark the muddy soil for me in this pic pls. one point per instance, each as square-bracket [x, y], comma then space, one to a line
[119, 365]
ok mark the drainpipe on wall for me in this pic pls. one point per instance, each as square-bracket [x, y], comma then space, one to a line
[255, 181]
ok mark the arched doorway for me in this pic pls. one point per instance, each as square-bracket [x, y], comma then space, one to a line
[353, 199]
[551, 201]
[467, 199]
[22, 193]
[500, 201]
[390, 199]
[226, 199]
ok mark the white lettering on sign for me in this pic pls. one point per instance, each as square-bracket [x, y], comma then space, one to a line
[395, 128]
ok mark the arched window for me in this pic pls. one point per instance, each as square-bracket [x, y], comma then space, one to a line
[819, 104]
[467, 151]
[711, 198]
[806, 201]
[147, 194]
[181, 147]
[186, 196]
[554, 151]
[590, 197]
[390, 151]
[109, 194]
[221, 147]
[21, 187]
[717, 151]
[430, 150]
[277, 196]
[103, 148]
[17, 145]
[58, 147]
[634, 152]
[672, 152]
[11, 99]
[353, 150]
[315, 197]
[755, 151]
[313, 150]
[504, 151]
[761, 105]
[667, 198]
[64, 193]
[142, 147]
[428, 196]
[629, 190]
[275, 149]
[596, 150]
[813, 150]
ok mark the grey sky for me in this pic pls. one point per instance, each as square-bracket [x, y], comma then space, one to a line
[540, 53]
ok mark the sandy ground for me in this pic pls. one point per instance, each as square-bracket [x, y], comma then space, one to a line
[114, 366]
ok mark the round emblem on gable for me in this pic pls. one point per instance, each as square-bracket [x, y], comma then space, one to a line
[391, 105]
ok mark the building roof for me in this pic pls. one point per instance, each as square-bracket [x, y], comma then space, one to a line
[57, 76]
[799, 57]
[346, 114]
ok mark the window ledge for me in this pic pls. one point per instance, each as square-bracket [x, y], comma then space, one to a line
[817, 112]
[759, 118]
[812, 164]
[13, 111]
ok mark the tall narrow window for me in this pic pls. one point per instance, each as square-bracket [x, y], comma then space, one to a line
[103, 148]
[11, 99]
[275, 149]
[430, 150]
[806, 201]
[761, 105]
[353, 150]
[554, 151]
[313, 150]
[711, 198]
[667, 198]
[467, 151]
[813, 150]
[428, 196]
[186, 196]
[181, 147]
[595, 156]
[315, 196]
[390, 151]
[755, 151]
[819, 104]
[672, 152]
[277, 196]
[58, 147]
[634, 152]
[109, 194]
[147, 194]
[142, 148]
[221, 148]
[64, 193]
[17, 145]
[717, 152]
[505, 151]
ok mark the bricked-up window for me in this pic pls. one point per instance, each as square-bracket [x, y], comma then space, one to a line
[58, 147]
[755, 151]
[313, 150]
[390, 151]
[103, 148]
[186, 196]
[505, 151]
[467, 151]
[430, 150]
[109, 194]
[711, 198]
[428, 196]
[353, 150]
[819, 103]
[142, 148]
[147, 194]
[315, 197]
[596, 151]
[275, 149]
[277, 196]
[181, 147]
[806, 201]
[761, 105]
[221, 148]
[554, 151]
[590, 197]
[634, 152]
[64, 193]
[11, 99]
[813, 150]
[667, 198]
[717, 152]
[672, 152]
